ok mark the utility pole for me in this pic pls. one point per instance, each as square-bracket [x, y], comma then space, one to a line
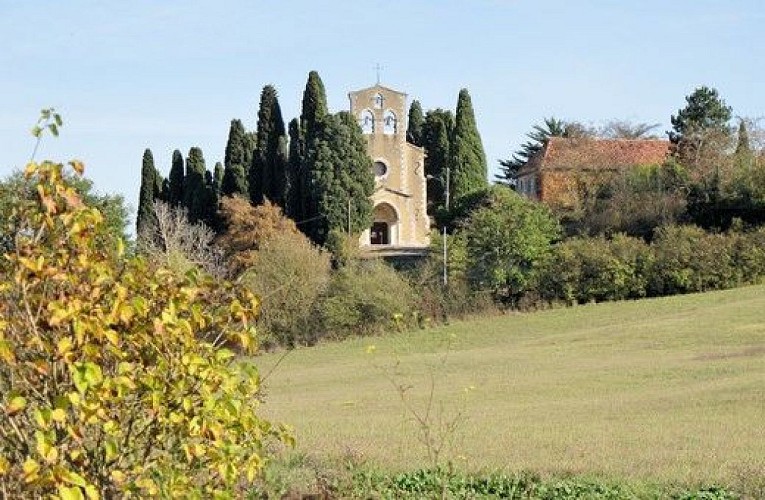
[446, 255]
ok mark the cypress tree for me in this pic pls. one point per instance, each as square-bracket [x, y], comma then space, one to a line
[437, 131]
[314, 106]
[237, 160]
[175, 182]
[268, 172]
[199, 200]
[742, 146]
[148, 192]
[313, 110]
[295, 203]
[467, 158]
[218, 178]
[416, 122]
[342, 171]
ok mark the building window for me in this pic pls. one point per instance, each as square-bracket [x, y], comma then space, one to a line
[380, 169]
[389, 122]
[367, 122]
[378, 100]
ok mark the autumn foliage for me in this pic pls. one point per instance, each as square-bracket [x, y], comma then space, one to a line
[114, 378]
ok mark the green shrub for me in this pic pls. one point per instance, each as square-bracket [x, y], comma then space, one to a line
[596, 269]
[289, 273]
[507, 240]
[687, 259]
[364, 298]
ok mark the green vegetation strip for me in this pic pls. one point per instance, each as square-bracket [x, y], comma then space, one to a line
[668, 390]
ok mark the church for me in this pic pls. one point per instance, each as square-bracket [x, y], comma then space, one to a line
[400, 223]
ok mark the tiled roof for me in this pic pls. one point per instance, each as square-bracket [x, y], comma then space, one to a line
[584, 153]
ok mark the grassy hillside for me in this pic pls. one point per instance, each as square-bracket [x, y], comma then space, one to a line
[667, 390]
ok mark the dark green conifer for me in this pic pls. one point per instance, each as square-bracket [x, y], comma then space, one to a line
[436, 139]
[149, 191]
[199, 199]
[295, 203]
[218, 178]
[341, 172]
[313, 110]
[268, 174]
[467, 157]
[237, 160]
[314, 105]
[414, 129]
[175, 181]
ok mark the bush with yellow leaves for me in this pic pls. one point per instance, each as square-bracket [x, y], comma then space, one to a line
[118, 378]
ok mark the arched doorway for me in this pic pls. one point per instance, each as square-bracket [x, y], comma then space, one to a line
[384, 229]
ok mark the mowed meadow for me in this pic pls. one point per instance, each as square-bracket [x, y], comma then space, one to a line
[668, 390]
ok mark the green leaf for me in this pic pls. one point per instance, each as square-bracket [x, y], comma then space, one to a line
[78, 377]
[111, 449]
[93, 374]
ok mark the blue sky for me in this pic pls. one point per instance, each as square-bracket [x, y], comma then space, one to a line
[172, 74]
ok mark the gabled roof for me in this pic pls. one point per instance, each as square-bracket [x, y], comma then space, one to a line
[379, 87]
[561, 153]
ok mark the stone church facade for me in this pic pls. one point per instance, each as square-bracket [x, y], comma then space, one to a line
[400, 220]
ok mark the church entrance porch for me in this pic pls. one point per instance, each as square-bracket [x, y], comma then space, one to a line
[384, 230]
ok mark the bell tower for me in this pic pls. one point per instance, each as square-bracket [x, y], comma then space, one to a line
[400, 220]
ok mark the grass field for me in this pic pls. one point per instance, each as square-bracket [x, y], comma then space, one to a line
[661, 390]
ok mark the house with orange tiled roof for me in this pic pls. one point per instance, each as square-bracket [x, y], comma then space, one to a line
[557, 174]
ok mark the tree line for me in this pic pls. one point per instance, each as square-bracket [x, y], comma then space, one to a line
[316, 169]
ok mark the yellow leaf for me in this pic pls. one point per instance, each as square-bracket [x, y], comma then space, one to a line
[30, 468]
[74, 478]
[58, 415]
[30, 169]
[73, 493]
[78, 166]
[91, 492]
[16, 404]
[5, 465]
[6, 352]
[118, 477]
[74, 398]
[64, 345]
[112, 336]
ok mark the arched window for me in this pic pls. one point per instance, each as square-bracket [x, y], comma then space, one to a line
[367, 122]
[389, 122]
[379, 101]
